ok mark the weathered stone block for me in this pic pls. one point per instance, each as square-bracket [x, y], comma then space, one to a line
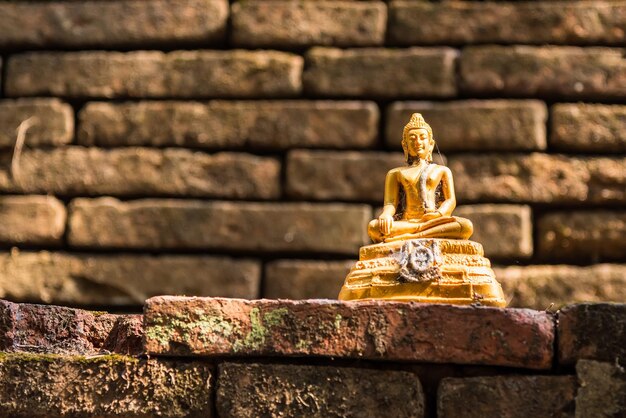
[32, 220]
[582, 235]
[52, 329]
[290, 24]
[328, 175]
[602, 391]
[84, 279]
[507, 396]
[246, 390]
[593, 332]
[142, 172]
[526, 71]
[505, 231]
[588, 128]
[231, 124]
[103, 386]
[460, 22]
[137, 74]
[111, 23]
[417, 72]
[126, 336]
[364, 329]
[174, 224]
[539, 178]
[52, 122]
[304, 279]
[547, 286]
[475, 125]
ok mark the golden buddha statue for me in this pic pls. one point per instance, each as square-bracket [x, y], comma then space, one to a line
[422, 252]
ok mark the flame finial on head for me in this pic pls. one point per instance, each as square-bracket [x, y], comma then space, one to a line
[417, 121]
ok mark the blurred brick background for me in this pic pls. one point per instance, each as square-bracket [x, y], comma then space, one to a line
[203, 147]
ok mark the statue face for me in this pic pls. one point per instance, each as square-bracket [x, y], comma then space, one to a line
[419, 144]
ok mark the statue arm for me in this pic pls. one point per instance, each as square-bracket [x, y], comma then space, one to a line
[385, 220]
[447, 186]
[391, 195]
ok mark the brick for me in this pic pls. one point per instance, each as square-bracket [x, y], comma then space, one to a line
[475, 125]
[305, 279]
[137, 74]
[539, 178]
[126, 336]
[143, 172]
[246, 390]
[328, 175]
[582, 235]
[507, 396]
[101, 280]
[292, 24]
[365, 329]
[550, 287]
[111, 24]
[31, 220]
[547, 72]
[52, 122]
[331, 72]
[505, 231]
[53, 329]
[602, 390]
[460, 23]
[231, 124]
[104, 386]
[581, 127]
[174, 224]
[584, 329]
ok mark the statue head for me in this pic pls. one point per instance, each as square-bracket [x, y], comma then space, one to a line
[417, 139]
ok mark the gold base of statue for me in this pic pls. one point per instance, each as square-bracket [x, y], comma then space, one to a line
[431, 270]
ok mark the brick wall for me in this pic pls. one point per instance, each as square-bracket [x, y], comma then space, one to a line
[239, 149]
[216, 357]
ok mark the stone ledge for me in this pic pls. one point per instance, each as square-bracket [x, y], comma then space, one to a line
[211, 327]
[321, 328]
[59, 330]
[592, 332]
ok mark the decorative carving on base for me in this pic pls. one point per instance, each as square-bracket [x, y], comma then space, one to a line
[419, 261]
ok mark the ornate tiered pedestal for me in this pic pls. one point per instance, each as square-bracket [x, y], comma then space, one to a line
[424, 270]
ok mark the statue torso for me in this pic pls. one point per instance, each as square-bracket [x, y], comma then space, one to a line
[419, 185]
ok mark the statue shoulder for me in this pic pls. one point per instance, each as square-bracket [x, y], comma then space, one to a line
[394, 171]
[436, 169]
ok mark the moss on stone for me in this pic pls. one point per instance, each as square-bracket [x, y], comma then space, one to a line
[260, 327]
[303, 345]
[206, 327]
[50, 358]
[24, 357]
[275, 317]
[338, 319]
